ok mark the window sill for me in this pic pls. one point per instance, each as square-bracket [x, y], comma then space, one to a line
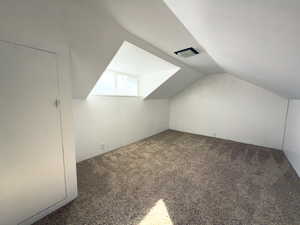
[126, 96]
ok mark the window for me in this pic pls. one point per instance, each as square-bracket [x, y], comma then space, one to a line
[133, 72]
[116, 83]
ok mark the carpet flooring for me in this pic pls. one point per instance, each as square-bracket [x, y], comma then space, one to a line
[176, 178]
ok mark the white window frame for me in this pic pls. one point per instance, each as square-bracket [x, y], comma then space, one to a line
[116, 73]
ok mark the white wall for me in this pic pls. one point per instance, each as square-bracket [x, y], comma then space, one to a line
[224, 106]
[104, 123]
[292, 137]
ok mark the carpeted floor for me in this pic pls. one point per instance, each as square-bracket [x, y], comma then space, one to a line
[176, 178]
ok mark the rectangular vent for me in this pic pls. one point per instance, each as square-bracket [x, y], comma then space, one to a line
[188, 52]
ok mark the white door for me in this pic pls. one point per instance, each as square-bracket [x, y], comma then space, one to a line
[31, 155]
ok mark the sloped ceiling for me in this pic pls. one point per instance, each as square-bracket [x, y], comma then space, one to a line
[85, 36]
[258, 41]
[154, 22]
[95, 38]
[133, 60]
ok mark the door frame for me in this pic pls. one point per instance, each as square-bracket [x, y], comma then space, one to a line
[33, 218]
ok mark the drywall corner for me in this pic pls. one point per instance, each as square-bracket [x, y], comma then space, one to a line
[291, 146]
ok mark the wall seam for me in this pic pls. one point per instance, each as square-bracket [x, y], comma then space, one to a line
[285, 126]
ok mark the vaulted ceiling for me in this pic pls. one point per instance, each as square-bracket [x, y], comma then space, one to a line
[258, 41]
[155, 23]
[95, 36]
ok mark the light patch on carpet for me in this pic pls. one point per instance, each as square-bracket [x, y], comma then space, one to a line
[157, 215]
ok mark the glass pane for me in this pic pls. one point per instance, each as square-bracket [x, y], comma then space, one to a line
[113, 83]
[127, 85]
[106, 84]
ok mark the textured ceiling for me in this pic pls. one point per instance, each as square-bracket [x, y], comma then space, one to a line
[258, 41]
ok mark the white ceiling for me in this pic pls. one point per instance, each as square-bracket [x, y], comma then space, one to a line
[95, 38]
[152, 21]
[256, 40]
[133, 60]
[89, 36]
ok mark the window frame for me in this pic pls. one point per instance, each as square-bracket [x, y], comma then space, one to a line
[116, 73]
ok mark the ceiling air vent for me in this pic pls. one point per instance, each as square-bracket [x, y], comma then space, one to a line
[188, 52]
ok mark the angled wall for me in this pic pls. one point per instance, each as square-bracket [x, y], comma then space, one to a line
[224, 106]
[292, 137]
[257, 41]
[150, 82]
[176, 83]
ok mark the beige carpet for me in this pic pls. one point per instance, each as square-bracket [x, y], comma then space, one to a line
[179, 178]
